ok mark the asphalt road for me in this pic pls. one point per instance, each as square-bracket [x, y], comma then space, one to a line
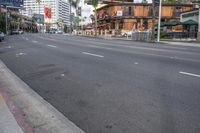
[111, 86]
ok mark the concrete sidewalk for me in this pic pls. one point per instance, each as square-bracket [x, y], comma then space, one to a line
[8, 124]
[170, 42]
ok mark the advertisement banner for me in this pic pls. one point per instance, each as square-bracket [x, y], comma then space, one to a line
[47, 12]
[39, 18]
[12, 3]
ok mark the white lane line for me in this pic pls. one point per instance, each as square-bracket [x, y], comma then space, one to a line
[20, 54]
[101, 56]
[8, 47]
[35, 41]
[136, 63]
[51, 46]
[190, 74]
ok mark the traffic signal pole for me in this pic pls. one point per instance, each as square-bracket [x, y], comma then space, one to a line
[153, 21]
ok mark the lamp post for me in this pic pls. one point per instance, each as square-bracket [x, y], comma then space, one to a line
[159, 20]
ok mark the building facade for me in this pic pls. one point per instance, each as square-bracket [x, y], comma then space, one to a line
[59, 10]
[130, 16]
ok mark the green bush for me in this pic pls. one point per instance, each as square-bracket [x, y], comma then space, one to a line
[163, 34]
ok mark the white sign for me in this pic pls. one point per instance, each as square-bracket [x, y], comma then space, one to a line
[119, 13]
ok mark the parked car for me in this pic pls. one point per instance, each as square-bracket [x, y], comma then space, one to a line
[123, 34]
[59, 32]
[13, 32]
[2, 35]
[16, 31]
[52, 31]
[21, 32]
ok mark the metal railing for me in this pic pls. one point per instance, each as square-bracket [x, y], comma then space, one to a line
[141, 36]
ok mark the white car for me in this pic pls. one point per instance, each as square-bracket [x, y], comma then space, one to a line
[59, 32]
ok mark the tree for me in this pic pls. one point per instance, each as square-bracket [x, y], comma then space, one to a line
[74, 4]
[65, 28]
[95, 4]
[2, 23]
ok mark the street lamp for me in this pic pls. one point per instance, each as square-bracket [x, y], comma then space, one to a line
[159, 20]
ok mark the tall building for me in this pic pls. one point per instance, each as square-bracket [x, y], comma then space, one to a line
[59, 10]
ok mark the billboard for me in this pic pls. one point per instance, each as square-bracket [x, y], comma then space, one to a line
[47, 12]
[39, 18]
[13, 3]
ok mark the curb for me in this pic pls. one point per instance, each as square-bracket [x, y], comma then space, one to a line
[186, 44]
[42, 116]
[8, 123]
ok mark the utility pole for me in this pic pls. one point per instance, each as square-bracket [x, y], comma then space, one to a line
[159, 20]
[153, 20]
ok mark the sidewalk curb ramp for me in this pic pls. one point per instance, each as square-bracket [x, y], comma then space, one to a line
[41, 115]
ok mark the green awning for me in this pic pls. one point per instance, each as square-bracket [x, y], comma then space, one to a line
[189, 22]
[170, 23]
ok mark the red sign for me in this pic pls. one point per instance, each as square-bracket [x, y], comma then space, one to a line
[47, 12]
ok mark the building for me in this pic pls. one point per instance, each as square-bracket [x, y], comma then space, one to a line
[59, 10]
[194, 18]
[129, 16]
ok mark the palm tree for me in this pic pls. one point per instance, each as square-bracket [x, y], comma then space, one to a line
[74, 4]
[95, 4]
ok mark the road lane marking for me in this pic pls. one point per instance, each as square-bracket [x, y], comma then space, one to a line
[35, 41]
[20, 54]
[190, 74]
[8, 47]
[136, 63]
[96, 55]
[62, 75]
[51, 46]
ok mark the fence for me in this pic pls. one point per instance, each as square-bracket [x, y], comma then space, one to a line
[141, 36]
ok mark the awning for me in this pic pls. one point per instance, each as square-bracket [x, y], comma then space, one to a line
[171, 23]
[100, 26]
[189, 22]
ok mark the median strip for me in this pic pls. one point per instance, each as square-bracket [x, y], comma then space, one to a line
[96, 55]
[190, 74]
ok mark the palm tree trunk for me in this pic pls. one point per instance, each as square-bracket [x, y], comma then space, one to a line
[95, 17]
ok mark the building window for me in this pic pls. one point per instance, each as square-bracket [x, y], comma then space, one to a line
[128, 11]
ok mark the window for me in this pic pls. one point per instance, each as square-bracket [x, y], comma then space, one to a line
[128, 11]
